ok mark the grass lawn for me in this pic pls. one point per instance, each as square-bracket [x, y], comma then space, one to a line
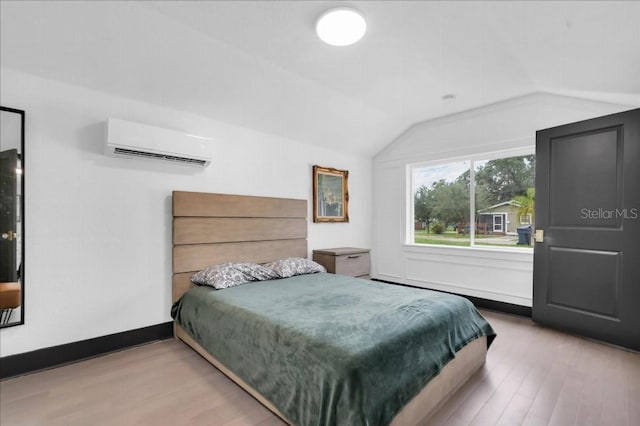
[452, 238]
[448, 238]
[442, 242]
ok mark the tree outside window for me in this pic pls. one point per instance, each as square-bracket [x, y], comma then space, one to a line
[502, 191]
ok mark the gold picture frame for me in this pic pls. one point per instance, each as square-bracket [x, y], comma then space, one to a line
[330, 195]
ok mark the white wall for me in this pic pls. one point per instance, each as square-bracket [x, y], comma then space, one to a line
[500, 275]
[98, 229]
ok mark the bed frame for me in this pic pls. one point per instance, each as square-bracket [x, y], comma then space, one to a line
[217, 228]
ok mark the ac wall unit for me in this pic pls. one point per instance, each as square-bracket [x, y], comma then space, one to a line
[125, 138]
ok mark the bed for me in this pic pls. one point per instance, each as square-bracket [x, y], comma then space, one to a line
[315, 349]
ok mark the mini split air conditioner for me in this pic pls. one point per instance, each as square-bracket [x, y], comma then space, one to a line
[125, 138]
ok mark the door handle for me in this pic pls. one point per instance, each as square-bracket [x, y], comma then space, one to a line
[538, 236]
[9, 235]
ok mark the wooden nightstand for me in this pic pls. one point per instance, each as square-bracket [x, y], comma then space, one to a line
[344, 260]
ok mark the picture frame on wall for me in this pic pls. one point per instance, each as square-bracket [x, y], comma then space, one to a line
[330, 195]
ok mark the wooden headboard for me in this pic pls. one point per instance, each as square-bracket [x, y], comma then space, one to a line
[217, 228]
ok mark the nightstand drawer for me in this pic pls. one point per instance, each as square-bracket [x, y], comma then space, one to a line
[353, 264]
[345, 261]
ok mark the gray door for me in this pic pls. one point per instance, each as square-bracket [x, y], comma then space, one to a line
[587, 267]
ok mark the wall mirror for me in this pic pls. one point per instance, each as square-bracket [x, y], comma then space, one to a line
[11, 217]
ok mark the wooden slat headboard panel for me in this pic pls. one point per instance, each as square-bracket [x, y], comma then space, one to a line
[207, 230]
[217, 228]
[225, 205]
[188, 258]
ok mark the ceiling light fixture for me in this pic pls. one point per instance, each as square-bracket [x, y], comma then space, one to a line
[341, 26]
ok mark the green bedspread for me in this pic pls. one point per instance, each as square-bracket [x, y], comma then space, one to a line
[328, 349]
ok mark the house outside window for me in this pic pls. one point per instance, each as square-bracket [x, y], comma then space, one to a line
[497, 192]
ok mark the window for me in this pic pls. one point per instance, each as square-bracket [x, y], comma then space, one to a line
[525, 219]
[441, 204]
[497, 192]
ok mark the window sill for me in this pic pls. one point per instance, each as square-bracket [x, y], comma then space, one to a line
[477, 251]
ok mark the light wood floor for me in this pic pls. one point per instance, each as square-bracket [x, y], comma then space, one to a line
[533, 376]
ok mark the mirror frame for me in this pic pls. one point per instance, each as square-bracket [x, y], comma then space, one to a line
[22, 215]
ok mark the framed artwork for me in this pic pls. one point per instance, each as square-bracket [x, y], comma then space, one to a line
[330, 195]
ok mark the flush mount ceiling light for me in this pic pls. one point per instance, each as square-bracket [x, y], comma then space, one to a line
[341, 26]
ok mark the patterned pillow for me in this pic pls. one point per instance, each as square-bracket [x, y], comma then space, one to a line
[227, 275]
[295, 266]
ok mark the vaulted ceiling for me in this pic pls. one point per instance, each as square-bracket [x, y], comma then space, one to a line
[260, 65]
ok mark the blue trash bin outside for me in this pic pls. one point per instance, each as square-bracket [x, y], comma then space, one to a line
[524, 235]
